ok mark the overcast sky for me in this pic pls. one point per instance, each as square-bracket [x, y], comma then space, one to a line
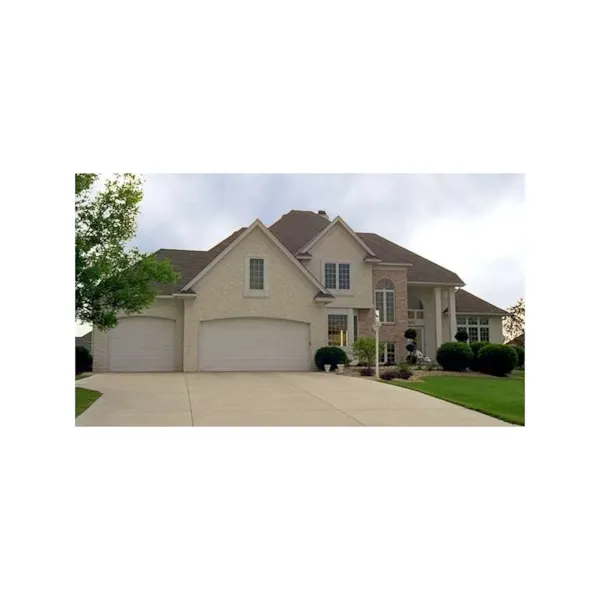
[470, 224]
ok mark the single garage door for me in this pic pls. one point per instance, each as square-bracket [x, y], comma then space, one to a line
[254, 344]
[142, 344]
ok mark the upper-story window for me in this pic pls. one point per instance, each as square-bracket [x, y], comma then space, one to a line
[337, 276]
[415, 308]
[385, 300]
[478, 328]
[256, 276]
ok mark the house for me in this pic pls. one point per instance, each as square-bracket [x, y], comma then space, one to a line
[85, 341]
[266, 298]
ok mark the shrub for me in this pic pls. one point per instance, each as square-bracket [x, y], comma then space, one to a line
[404, 372]
[410, 334]
[497, 359]
[476, 348]
[83, 359]
[365, 351]
[461, 336]
[367, 372]
[520, 356]
[389, 375]
[454, 356]
[411, 347]
[330, 355]
[389, 364]
[411, 359]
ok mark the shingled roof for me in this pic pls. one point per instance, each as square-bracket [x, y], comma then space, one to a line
[468, 303]
[422, 270]
[294, 230]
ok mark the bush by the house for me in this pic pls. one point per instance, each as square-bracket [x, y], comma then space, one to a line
[461, 336]
[454, 356]
[367, 372]
[404, 372]
[475, 348]
[389, 375]
[83, 360]
[410, 334]
[365, 350]
[330, 355]
[497, 359]
[520, 356]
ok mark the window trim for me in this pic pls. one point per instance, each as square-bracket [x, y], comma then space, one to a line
[340, 314]
[337, 290]
[385, 292]
[249, 293]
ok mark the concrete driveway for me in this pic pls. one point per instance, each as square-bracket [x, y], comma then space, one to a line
[260, 399]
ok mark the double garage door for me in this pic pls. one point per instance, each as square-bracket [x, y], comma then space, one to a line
[251, 344]
[254, 344]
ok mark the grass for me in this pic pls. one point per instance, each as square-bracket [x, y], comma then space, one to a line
[501, 397]
[84, 399]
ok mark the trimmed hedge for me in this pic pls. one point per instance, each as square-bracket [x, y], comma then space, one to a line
[497, 359]
[520, 356]
[454, 356]
[83, 360]
[330, 355]
[476, 348]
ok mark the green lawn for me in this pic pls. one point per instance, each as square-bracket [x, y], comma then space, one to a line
[84, 399]
[501, 397]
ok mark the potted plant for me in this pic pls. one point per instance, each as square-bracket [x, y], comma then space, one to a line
[327, 368]
[340, 367]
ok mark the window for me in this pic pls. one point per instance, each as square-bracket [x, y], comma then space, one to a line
[337, 276]
[257, 284]
[415, 308]
[257, 274]
[355, 328]
[478, 328]
[337, 330]
[389, 353]
[385, 300]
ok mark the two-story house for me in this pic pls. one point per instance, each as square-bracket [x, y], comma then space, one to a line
[265, 299]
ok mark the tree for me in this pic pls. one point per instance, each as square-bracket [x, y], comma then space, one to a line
[364, 349]
[109, 278]
[514, 323]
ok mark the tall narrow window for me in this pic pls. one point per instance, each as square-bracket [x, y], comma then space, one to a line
[330, 276]
[257, 274]
[355, 327]
[337, 330]
[344, 276]
[385, 300]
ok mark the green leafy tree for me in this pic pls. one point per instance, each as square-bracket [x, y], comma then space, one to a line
[514, 323]
[109, 278]
[364, 350]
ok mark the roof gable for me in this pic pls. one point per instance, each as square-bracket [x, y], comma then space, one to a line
[242, 234]
[337, 222]
[297, 227]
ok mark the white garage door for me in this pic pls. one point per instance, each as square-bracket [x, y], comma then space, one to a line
[142, 344]
[254, 344]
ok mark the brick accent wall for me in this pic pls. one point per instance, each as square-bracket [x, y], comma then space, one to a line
[395, 331]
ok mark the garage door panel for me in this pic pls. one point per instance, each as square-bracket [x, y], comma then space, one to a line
[254, 344]
[142, 344]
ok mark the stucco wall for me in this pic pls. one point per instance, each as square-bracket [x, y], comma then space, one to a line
[169, 308]
[339, 246]
[220, 294]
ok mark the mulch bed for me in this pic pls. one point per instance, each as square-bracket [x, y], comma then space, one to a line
[418, 374]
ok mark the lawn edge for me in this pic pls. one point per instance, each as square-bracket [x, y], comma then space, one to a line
[427, 393]
[77, 387]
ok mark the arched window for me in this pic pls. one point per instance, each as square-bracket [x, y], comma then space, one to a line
[415, 307]
[385, 300]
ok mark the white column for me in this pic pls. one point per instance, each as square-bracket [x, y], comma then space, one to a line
[452, 312]
[438, 317]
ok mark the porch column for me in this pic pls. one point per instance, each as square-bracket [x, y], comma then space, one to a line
[452, 312]
[438, 317]
[190, 336]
